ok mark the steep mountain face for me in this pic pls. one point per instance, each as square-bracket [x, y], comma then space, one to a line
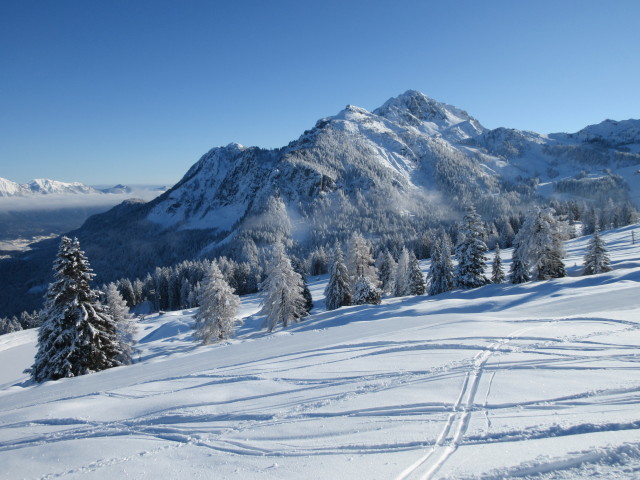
[400, 155]
[391, 173]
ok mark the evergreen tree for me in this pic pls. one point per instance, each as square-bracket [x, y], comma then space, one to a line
[470, 252]
[319, 261]
[9, 325]
[366, 292]
[441, 272]
[283, 288]
[497, 273]
[596, 259]
[28, 320]
[126, 328]
[387, 272]
[77, 335]
[338, 290]
[298, 267]
[519, 272]
[361, 262]
[216, 319]
[126, 290]
[415, 279]
[138, 290]
[540, 241]
[402, 274]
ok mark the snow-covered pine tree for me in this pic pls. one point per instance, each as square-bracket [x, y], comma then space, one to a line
[126, 328]
[28, 320]
[77, 335]
[319, 261]
[298, 267]
[283, 301]
[338, 289]
[9, 325]
[360, 260]
[497, 273]
[441, 272]
[217, 317]
[540, 239]
[519, 272]
[126, 290]
[470, 252]
[386, 272]
[366, 292]
[402, 274]
[596, 259]
[415, 279]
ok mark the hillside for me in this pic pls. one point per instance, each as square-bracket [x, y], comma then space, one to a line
[538, 380]
[409, 166]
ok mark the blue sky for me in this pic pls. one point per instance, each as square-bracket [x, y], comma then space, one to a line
[130, 91]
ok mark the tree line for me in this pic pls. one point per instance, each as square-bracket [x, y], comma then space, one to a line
[83, 330]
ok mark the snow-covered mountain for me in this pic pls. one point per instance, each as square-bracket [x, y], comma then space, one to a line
[409, 148]
[392, 173]
[117, 189]
[42, 186]
[538, 380]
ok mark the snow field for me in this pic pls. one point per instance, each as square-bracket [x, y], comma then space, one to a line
[539, 380]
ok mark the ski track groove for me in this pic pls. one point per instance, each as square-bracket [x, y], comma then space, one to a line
[430, 463]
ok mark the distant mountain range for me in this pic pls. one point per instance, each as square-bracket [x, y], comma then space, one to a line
[44, 207]
[45, 186]
[411, 164]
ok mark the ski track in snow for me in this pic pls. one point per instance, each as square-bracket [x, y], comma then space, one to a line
[447, 442]
[458, 420]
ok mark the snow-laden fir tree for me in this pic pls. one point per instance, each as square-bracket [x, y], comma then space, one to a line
[283, 301]
[548, 246]
[126, 328]
[298, 267]
[519, 271]
[216, 319]
[30, 320]
[366, 292]
[402, 274]
[441, 272]
[77, 335]
[9, 325]
[338, 289]
[497, 273]
[319, 261]
[541, 239]
[415, 279]
[360, 260]
[596, 259]
[386, 272]
[470, 252]
[125, 287]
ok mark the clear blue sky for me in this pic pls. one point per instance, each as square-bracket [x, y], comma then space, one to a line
[136, 91]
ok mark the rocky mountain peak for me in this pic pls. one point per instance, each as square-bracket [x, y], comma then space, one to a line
[415, 109]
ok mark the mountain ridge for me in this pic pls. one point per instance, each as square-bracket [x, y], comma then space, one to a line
[46, 186]
[393, 175]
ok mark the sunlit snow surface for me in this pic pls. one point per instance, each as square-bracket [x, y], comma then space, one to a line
[540, 380]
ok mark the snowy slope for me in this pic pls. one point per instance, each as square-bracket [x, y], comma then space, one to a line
[538, 380]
